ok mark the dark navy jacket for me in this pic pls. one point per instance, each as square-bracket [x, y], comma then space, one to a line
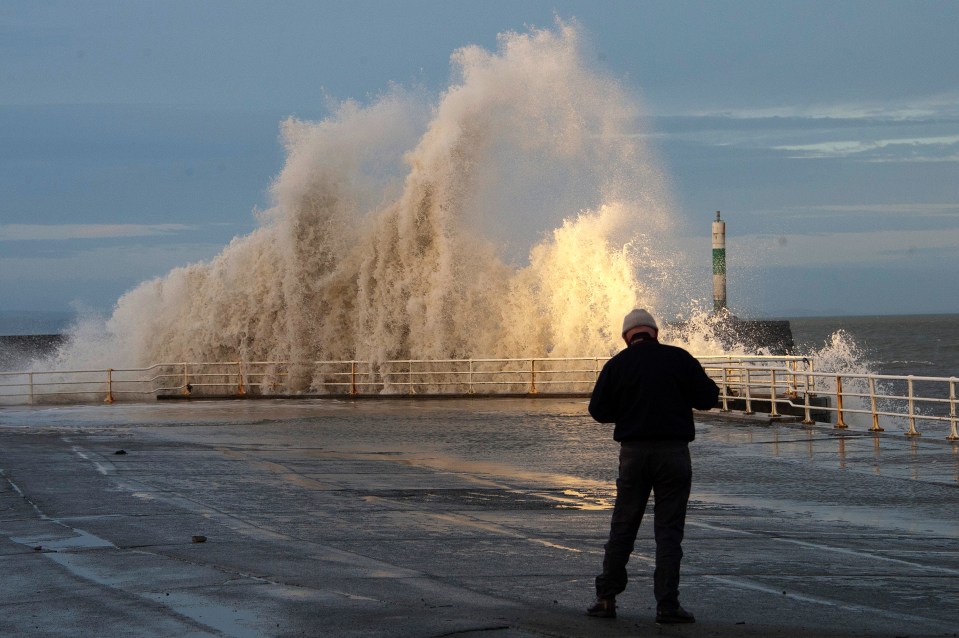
[649, 391]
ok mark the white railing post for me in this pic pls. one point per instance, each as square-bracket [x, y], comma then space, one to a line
[912, 409]
[532, 376]
[793, 390]
[725, 394]
[807, 420]
[749, 397]
[469, 378]
[840, 423]
[953, 434]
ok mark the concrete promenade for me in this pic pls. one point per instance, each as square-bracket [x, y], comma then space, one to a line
[454, 518]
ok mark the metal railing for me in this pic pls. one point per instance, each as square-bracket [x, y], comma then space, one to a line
[323, 378]
[778, 385]
[842, 396]
[397, 377]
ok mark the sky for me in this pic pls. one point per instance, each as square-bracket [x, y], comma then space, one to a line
[137, 136]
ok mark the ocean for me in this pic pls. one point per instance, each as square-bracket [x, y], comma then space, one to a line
[920, 345]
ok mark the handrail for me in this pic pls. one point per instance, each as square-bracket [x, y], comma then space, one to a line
[783, 384]
[848, 394]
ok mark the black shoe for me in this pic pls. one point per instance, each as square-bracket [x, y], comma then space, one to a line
[603, 608]
[674, 616]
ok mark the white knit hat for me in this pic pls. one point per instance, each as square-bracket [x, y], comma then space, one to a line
[636, 318]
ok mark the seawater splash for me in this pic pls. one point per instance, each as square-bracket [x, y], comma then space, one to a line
[842, 354]
[519, 214]
[392, 226]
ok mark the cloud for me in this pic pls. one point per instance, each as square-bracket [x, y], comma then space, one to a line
[924, 131]
[918, 149]
[930, 107]
[59, 232]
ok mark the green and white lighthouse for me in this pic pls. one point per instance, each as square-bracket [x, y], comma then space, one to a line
[719, 264]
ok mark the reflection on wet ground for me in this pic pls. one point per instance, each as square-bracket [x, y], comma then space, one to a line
[883, 454]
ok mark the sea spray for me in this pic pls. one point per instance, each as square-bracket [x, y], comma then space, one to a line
[843, 355]
[701, 332]
[517, 215]
[391, 228]
[573, 293]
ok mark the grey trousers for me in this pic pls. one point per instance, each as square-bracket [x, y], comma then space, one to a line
[663, 468]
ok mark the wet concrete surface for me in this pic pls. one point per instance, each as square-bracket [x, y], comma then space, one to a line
[454, 518]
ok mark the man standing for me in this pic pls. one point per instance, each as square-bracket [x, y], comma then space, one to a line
[649, 390]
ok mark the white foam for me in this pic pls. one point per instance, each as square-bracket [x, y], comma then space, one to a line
[394, 229]
[518, 214]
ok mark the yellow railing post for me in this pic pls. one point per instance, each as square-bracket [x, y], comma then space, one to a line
[532, 376]
[469, 378]
[772, 394]
[872, 400]
[109, 398]
[240, 389]
[840, 423]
